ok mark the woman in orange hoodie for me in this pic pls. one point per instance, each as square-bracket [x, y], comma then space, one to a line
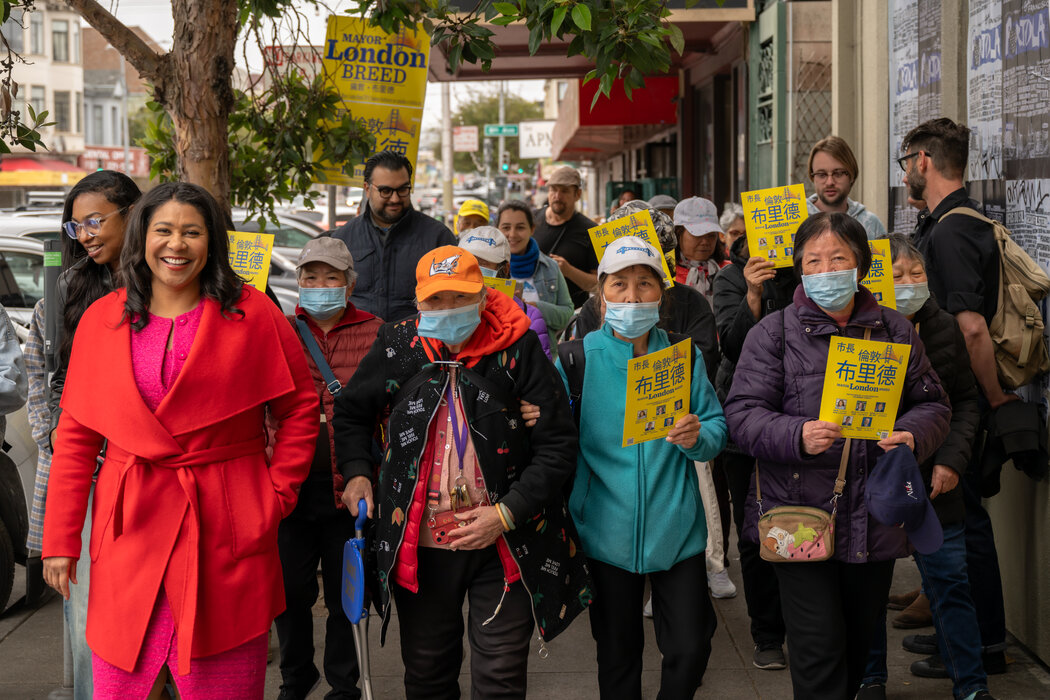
[469, 498]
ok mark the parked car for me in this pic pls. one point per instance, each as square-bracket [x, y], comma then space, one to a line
[21, 277]
[17, 472]
[23, 225]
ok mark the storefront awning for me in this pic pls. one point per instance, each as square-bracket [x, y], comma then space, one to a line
[37, 172]
[513, 61]
[582, 133]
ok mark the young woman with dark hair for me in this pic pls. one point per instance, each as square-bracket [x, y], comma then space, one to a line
[186, 578]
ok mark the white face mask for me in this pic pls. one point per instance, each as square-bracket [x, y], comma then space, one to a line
[911, 297]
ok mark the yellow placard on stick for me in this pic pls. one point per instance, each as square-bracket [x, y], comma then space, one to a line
[657, 392]
[250, 256]
[382, 79]
[507, 286]
[640, 224]
[879, 279]
[862, 386]
[772, 216]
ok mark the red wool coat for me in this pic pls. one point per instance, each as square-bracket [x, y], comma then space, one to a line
[186, 498]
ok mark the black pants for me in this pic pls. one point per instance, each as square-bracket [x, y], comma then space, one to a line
[718, 477]
[760, 581]
[831, 609]
[315, 531]
[431, 623]
[684, 622]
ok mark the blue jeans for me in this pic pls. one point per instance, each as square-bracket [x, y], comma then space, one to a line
[945, 583]
[75, 612]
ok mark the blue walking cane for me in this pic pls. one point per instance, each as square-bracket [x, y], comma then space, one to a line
[354, 596]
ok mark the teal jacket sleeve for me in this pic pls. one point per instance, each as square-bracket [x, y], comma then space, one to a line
[705, 406]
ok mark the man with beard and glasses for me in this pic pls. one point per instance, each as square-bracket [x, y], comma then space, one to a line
[388, 239]
[561, 233]
[833, 170]
[962, 267]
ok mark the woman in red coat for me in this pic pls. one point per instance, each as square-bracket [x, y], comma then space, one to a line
[174, 374]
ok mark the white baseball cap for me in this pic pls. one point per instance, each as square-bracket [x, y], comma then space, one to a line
[627, 251]
[699, 216]
[486, 243]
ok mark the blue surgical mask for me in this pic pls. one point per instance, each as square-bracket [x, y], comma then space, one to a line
[322, 303]
[831, 291]
[450, 326]
[911, 297]
[632, 320]
[489, 272]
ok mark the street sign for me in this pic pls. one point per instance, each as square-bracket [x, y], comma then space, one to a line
[464, 139]
[535, 141]
[501, 130]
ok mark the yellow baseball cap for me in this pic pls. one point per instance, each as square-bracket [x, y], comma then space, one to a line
[474, 207]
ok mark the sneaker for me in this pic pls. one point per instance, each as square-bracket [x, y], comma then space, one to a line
[720, 585]
[930, 667]
[872, 691]
[647, 611]
[291, 692]
[920, 644]
[983, 695]
[769, 658]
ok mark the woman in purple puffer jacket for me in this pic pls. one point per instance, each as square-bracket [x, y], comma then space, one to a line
[830, 607]
[490, 247]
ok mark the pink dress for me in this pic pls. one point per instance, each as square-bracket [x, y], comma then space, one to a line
[237, 674]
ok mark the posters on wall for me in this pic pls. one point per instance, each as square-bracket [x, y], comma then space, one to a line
[1026, 88]
[904, 74]
[984, 97]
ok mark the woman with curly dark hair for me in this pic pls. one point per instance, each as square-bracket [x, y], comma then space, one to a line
[176, 374]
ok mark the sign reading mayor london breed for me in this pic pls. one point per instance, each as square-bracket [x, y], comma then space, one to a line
[863, 382]
[383, 81]
[772, 216]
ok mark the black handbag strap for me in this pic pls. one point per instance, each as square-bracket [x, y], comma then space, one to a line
[315, 352]
[840, 480]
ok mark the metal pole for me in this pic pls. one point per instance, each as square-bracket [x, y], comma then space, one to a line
[331, 206]
[502, 146]
[447, 170]
[124, 108]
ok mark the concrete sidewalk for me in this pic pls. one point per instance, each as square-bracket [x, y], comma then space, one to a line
[31, 659]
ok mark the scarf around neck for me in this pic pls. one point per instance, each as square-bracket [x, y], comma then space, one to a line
[523, 267]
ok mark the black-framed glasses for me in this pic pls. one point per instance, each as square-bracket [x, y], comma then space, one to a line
[823, 175]
[92, 226]
[904, 159]
[385, 192]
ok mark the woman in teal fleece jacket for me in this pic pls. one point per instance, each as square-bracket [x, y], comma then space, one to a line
[638, 508]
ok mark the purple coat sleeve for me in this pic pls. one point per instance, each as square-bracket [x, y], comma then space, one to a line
[537, 324]
[754, 408]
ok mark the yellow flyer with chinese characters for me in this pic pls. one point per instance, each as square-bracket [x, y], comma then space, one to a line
[250, 256]
[879, 279]
[640, 224]
[772, 216]
[862, 386]
[506, 286]
[657, 392]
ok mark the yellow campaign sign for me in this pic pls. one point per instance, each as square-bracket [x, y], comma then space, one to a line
[382, 79]
[640, 224]
[772, 216]
[862, 386]
[507, 286]
[657, 392]
[879, 279]
[250, 256]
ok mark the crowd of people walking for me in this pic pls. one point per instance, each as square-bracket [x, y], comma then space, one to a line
[202, 455]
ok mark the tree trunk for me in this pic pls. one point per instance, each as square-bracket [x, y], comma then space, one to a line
[193, 82]
[199, 92]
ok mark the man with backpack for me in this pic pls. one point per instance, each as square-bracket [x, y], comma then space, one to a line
[963, 267]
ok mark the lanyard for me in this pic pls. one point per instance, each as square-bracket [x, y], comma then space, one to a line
[459, 495]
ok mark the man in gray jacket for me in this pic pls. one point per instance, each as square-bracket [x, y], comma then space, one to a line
[833, 170]
[388, 239]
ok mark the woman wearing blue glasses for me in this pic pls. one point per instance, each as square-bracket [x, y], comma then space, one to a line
[94, 217]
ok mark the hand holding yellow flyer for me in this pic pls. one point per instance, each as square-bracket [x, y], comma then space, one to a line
[640, 224]
[772, 216]
[657, 392]
[879, 279]
[250, 256]
[862, 386]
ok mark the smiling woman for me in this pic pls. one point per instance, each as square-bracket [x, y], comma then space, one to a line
[185, 575]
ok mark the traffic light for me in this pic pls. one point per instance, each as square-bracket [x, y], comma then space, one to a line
[504, 161]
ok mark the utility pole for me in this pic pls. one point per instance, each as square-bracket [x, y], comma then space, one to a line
[446, 151]
[502, 145]
[124, 109]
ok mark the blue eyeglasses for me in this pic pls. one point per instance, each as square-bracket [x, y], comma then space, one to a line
[93, 226]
